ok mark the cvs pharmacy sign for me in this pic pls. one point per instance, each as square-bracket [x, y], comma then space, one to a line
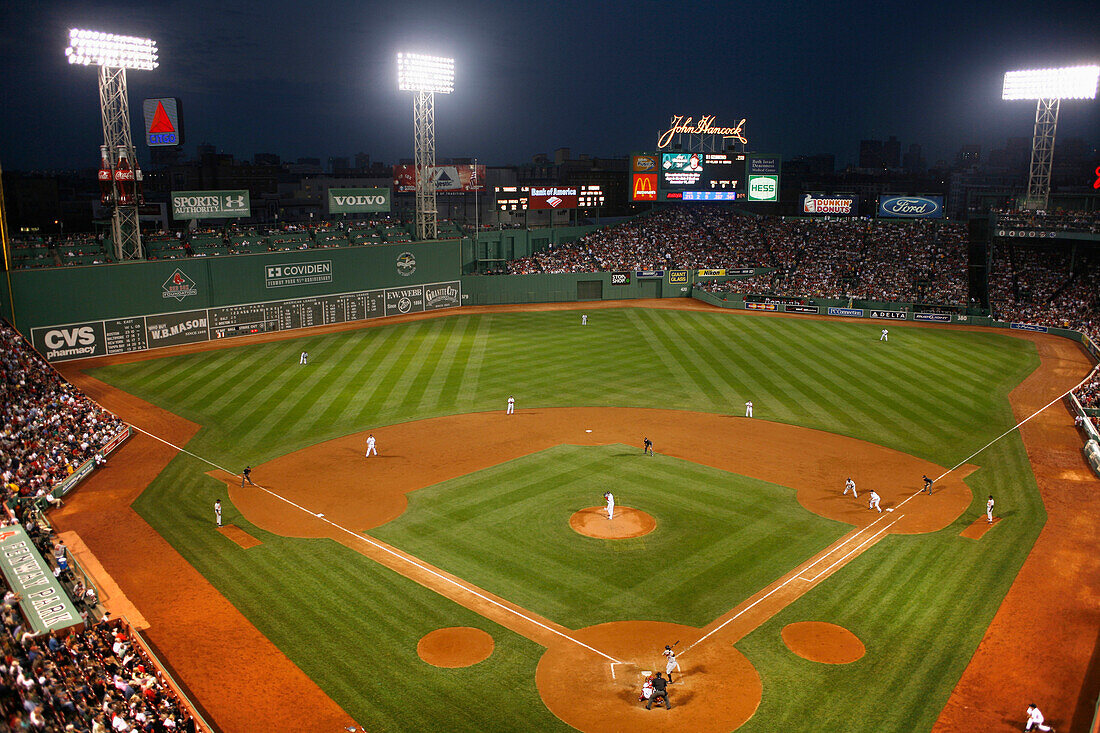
[74, 341]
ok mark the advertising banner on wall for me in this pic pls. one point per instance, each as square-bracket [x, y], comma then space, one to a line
[447, 178]
[645, 163]
[211, 204]
[552, 197]
[358, 200]
[910, 207]
[816, 204]
[620, 278]
[643, 187]
[44, 602]
[763, 175]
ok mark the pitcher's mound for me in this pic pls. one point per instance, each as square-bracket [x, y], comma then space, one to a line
[628, 522]
[822, 642]
[456, 646]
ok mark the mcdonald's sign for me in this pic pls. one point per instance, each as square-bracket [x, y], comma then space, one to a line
[643, 187]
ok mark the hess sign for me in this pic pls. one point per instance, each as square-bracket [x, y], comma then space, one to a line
[162, 122]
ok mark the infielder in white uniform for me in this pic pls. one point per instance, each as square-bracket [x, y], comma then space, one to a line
[610, 498]
[850, 485]
[370, 446]
[304, 358]
[218, 511]
[989, 509]
[671, 664]
[873, 503]
[1035, 719]
[511, 405]
[885, 335]
[748, 409]
[584, 319]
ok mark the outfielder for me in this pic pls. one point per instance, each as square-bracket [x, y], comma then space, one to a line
[671, 664]
[304, 358]
[989, 509]
[370, 446]
[873, 503]
[748, 409]
[511, 405]
[885, 335]
[610, 498]
[584, 319]
[1035, 719]
[850, 485]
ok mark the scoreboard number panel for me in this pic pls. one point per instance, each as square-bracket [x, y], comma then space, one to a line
[694, 176]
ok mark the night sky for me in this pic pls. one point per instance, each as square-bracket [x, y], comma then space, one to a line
[317, 78]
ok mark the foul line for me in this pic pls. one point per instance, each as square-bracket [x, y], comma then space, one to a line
[1017, 425]
[857, 548]
[405, 558]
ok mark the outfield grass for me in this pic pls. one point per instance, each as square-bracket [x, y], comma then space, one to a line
[920, 604]
[722, 536]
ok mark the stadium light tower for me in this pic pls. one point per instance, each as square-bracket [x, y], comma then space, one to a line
[425, 76]
[119, 174]
[1049, 87]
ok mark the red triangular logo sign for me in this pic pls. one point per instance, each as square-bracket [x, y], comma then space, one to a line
[161, 123]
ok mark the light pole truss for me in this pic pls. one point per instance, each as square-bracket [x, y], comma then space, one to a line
[424, 160]
[114, 107]
[1042, 153]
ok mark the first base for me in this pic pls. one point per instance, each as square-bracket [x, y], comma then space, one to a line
[589, 430]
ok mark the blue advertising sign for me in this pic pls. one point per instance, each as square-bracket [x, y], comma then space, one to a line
[910, 207]
[853, 312]
[649, 274]
[1028, 327]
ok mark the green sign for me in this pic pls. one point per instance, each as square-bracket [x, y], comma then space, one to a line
[42, 599]
[358, 200]
[763, 188]
[210, 204]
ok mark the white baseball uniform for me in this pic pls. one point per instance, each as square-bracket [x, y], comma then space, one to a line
[610, 505]
[370, 446]
[873, 503]
[850, 485]
[1035, 719]
[671, 664]
[989, 510]
[748, 409]
[304, 358]
[885, 335]
[511, 405]
[584, 319]
[218, 511]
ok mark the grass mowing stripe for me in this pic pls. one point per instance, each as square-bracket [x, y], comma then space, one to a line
[448, 394]
[679, 373]
[472, 373]
[386, 390]
[365, 387]
[693, 354]
[414, 379]
[432, 388]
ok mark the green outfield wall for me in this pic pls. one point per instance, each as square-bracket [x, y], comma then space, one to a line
[501, 245]
[578, 286]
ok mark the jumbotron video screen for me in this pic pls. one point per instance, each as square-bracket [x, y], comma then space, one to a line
[701, 177]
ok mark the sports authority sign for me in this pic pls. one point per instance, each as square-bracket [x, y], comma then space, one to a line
[211, 204]
[552, 197]
[297, 273]
[358, 200]
[162, 122]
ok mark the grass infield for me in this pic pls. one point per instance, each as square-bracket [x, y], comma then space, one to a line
[920, 603]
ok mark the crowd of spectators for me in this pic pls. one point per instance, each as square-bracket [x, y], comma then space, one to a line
[1059, 220]
[1047, 285]
[90, 681]
[49, 427]
[916, 261]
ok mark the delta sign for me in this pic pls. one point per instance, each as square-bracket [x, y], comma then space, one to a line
[162, 122]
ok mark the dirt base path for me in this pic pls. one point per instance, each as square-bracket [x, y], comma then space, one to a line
[234, 673]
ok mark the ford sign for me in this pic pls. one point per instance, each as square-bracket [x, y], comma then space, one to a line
[910, 207]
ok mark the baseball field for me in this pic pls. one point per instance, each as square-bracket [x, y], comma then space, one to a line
[465, 579]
